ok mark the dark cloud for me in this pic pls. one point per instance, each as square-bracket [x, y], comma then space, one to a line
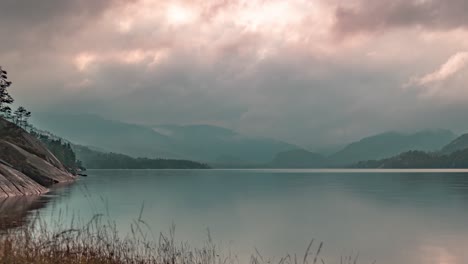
[372, 16]
[39, 12]
[26, 23]
[293, 82]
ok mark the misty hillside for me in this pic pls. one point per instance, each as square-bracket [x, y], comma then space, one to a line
[220, 145]
[111, 136]
[298, 158]
[460, 143]
[390, 144]
[420, 160]
[92, 159]
[195, 142]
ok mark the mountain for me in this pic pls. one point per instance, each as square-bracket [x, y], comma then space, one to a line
[459, 143]
[205, 143]
[223, 146]
[298, 158]
[420, 159]
[406, 160]
[390, 144]
[27, 167]
[92, 159]
[108, 135]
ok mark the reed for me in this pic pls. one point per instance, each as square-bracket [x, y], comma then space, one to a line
[99, 242]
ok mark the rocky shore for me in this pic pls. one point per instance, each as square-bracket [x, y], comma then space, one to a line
[27, 167]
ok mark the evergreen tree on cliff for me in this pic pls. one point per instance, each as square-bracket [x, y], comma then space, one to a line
[21, 117]
[5, 97]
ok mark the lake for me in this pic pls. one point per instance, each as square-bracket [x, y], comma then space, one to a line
[399, 217]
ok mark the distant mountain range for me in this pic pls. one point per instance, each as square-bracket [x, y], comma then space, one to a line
[459, 143]
[203, 143]
[453, 155]
[419, 159]
[376, 147]
[389, 144]
[221, 147]
[107, 135]
[92, 159]
[298, 158]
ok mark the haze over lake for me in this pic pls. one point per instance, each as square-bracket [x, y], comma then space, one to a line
[417, 218]
[258, 125]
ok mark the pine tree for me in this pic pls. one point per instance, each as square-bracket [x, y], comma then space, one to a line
[21, 117]
[5, 98]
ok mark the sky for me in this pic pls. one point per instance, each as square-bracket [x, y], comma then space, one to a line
[310, 72]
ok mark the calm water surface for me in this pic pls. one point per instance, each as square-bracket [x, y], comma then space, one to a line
[414, 218]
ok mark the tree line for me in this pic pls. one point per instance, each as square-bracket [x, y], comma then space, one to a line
[420, 159]
[58, 146]
[20, 116]
[63, 150]
[98, 160]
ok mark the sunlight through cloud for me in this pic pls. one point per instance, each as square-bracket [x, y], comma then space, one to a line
[179, 15]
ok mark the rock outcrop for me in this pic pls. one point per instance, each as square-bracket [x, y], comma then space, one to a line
[15, 183]
[27, 167]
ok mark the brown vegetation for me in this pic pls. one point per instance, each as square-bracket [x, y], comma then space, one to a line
[98, 242]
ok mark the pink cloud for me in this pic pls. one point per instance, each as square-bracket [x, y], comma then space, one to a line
[453, 65]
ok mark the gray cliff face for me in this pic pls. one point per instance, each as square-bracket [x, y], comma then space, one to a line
[15, 183]
[27, 167]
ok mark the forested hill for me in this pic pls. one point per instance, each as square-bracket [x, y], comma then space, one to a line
[60, 148]
[92, 159]
[390, 144]
[27, 167]
[459, 143]
[420, 159]
[76, 157]
[206, 143]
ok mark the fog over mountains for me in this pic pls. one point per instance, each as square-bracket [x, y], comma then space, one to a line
[226, 148]
[459, 143]
[196, 142]
[392, 143]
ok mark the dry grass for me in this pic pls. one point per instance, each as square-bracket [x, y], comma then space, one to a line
[98, 242]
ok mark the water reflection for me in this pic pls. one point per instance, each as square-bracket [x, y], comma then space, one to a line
[14, 211]
[17, 211]
[393, 218]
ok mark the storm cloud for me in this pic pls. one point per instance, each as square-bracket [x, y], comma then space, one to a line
[309, 72]
[370, 16]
